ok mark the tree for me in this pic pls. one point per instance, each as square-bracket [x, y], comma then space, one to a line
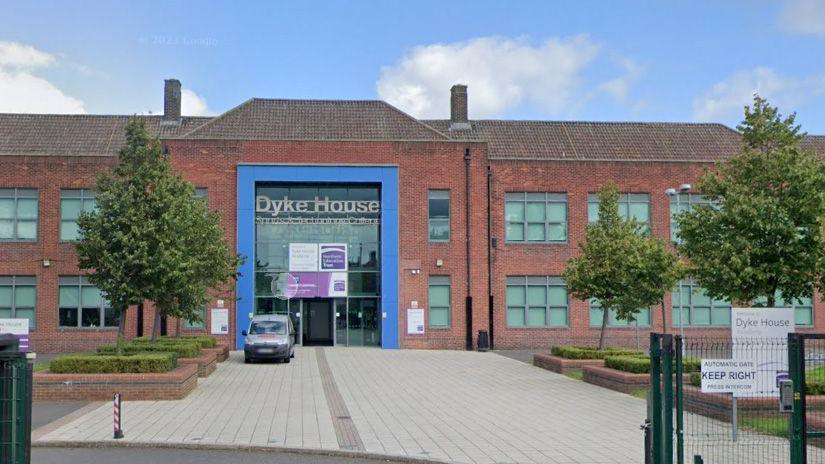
[619, 264]
[150, 238]
[762, 233]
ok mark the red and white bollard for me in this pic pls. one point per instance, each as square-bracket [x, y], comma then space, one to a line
[118, 428]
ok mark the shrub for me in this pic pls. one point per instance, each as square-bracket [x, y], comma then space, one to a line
[581, 352]
[204, 341]
[181, 350]
[632, 364]
[696, 379]
[105, 364]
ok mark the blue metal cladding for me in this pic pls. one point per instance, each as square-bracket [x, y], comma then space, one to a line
[387, 176]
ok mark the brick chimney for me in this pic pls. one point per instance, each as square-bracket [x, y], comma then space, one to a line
[171, 101]
[458, 108]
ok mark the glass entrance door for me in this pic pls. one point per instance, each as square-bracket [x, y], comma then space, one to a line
[317, 322]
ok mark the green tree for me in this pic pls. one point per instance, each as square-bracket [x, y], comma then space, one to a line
[763, 233]
[620, 264]
[150, 238]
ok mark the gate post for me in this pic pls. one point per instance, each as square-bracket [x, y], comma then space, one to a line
[680, 432]
[656, 396]
[667, 406]
[796, 366]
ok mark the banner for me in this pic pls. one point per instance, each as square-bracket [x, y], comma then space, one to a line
[303, 257]
[19, 327]
[333, 257]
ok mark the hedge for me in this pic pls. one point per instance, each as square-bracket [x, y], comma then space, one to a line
[181, 350]
[641, 365]
[582, 352]
[104, 364]
[205, 341]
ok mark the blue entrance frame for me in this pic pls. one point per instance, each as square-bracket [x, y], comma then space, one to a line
[386, 176]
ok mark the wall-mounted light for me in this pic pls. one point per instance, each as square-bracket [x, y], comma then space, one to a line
[46, 262]
[415, 271]
[439, 262]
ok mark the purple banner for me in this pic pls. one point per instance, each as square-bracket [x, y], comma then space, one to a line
[333, 257]
[315, 284]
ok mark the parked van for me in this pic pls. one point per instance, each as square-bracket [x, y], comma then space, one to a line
[270, 336]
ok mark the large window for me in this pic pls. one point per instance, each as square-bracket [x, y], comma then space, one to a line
[631, 205]
[199, 324]
[18, 214]
[439, 215]
[697, 308]
[18, 298]
[535, 217]
[683, 202]
[82, 305]
[596, 313]
[439, 301]
[803, 308]
[536, 302]
[72, 203]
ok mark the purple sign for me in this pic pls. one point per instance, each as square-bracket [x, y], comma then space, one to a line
[309, 284]
[302, 285]
[333, 257]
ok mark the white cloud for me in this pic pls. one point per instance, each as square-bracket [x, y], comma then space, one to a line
[21, 91]
[803, 17]
[193, 104]
[501, 74]
[619, 88]
[726, 99]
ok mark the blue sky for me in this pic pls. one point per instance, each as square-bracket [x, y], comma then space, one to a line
[590, 60]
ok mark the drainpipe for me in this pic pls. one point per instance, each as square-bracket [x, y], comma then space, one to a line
[490, 257]
[469, 299]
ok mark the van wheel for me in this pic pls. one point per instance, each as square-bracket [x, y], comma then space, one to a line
[287, 359]
[246, 360]
[292, 355]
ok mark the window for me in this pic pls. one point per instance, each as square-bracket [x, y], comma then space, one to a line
[197, 325]
[439, 301]
[683, 202]
[18, 214]
[439, 215]
[536, 302]
[631, 205]
[82, 305]
[803, 308]
[201, 193]
[596, 314]
[72, 203]
[535, 217]
[697, 307]
[18, 298]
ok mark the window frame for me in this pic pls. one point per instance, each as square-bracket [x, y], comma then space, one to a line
[690, 307]
[81, 282]
[439, 281]
[793, 306]
[692, 199]
[524, 198]
[16, 194]
[546, 282]
[625, 198]
[200, 325]
[84, 195]
[15, 281]
[612, 321]
[439, 194]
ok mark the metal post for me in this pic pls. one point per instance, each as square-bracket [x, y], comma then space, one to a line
[118, 429]
[681, 309]
[656, 396]
[680, 439]
[734, 418]
[667, 407]
[796, 365]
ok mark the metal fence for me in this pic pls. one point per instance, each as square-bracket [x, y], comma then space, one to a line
[15, 408]
[809, 350]
[742, 428]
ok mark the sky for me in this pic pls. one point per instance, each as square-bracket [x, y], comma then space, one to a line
[550, 60]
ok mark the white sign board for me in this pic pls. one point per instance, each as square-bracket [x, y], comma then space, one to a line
[728, 376]
[14, 326]
[303, 257]
[760, 335]
[220, 321]
[415, 321]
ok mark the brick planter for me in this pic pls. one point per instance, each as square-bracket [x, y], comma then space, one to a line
[718, 405]
[221, 352]
[172, 385]
[206, 363]
[624, 382]
[561, 365]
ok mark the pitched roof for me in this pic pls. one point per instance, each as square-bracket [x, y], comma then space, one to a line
[270, 119]
[574, 140]
[77, 134]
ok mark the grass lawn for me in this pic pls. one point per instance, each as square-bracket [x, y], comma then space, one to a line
[575, 375]
[816, 374]
[40, 367]
[640, 393]
[776, 426]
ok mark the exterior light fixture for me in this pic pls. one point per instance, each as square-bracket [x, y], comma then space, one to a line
[46, 262]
